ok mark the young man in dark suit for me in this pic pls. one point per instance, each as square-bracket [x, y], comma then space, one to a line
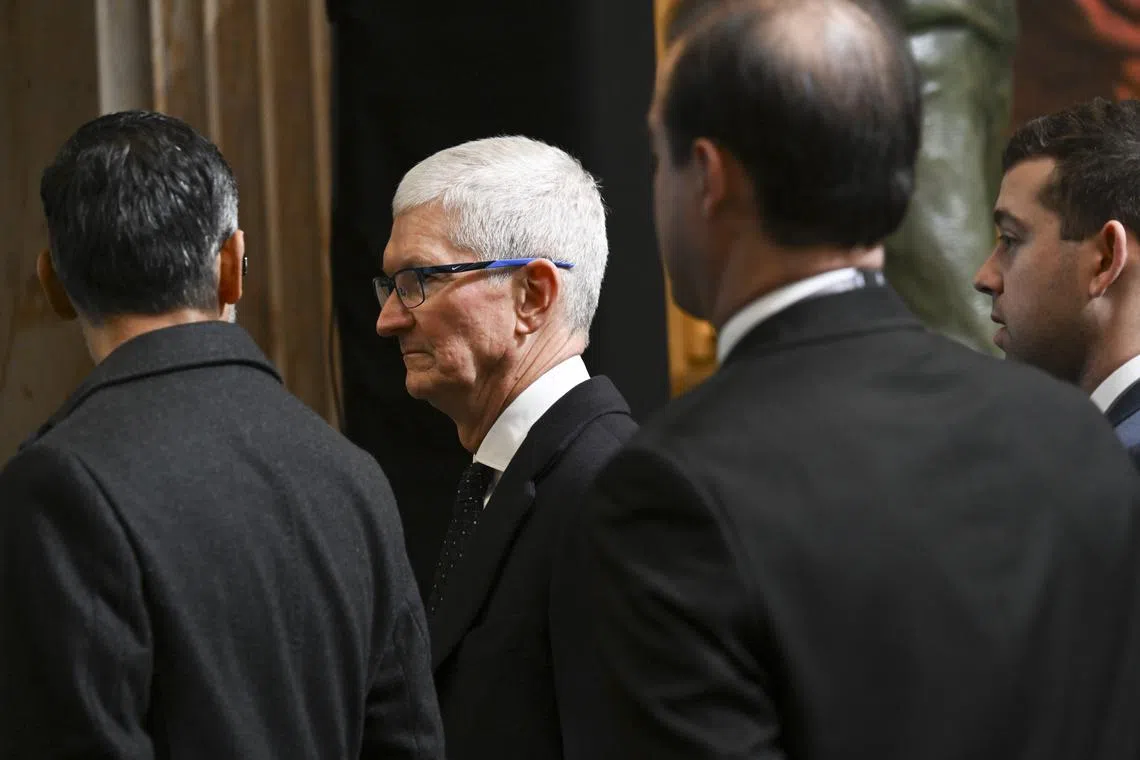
[192, 563]
[1065, 273]
[858, 539]
[492, 277]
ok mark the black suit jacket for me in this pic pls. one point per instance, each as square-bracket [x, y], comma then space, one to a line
[1124, 414]
[860, 540]
[507, 643]
[194, 565]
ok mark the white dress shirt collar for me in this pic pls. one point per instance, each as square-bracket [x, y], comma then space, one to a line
[511, 428]
[1116, 384]
[770, 304]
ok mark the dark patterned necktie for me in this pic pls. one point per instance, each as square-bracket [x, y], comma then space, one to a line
[464, 517]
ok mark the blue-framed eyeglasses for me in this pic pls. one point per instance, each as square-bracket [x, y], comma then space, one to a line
[408, 283]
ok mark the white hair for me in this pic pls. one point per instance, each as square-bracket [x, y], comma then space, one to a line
[513, 198]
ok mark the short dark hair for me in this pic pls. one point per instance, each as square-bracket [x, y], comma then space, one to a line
[138, 204]
[827, 129]
[1097, 177]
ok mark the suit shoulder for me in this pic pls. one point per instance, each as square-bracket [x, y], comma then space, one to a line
[46, 458]
[1009, 392]
[46, 481]
[608, 432]
[917, 364]
[653, 461]
[869, 399]
[592, 446]
[685, 420]
[1012, 375]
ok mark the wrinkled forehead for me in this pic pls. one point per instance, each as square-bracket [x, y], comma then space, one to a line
[421, 237]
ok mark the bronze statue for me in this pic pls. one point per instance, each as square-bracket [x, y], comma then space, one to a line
[964, 49]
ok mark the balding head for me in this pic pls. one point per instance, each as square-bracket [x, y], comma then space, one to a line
[818, 102]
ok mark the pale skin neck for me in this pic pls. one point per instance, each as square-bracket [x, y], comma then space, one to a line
[543, 352]
[1116, 343]
[755, 267]
[115, 331]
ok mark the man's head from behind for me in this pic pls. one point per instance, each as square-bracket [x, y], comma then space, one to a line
[468, 336]
[1063, 276]
[778, 124]
[142, 223]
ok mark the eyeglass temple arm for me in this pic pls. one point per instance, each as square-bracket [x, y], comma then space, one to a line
[500, 263]
[470, 266]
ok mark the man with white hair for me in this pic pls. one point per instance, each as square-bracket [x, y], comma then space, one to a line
[492, 276]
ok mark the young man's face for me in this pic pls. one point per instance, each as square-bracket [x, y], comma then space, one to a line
[1034, 277]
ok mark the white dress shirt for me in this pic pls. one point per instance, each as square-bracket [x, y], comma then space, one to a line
[770, 304]
[510, 429]
[1115, 384]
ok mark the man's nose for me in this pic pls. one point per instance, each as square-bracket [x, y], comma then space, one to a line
[988, 278]
[394, 317]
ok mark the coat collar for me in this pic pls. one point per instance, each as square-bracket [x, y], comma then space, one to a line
[856, 312]
[170, 349]
[511, 504]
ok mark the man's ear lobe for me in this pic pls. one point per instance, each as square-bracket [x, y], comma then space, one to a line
[231, 270]
[53, 289]
[1111, 249]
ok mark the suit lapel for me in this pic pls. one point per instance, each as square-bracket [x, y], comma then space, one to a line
[1127, 404]
[473, 577]
[506, 513]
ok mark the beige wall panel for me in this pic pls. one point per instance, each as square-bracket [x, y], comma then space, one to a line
[45, 94]
[251, 74]
[234, 37]
[181, 76]
[299, 209]
[320, 79]
[125, 43]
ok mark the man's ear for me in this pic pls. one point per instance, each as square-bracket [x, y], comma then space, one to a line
[708, 162]
[52, 287]
[231, 270]
[1110, 247]
[536, 291]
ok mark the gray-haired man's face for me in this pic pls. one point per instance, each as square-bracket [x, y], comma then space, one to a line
[458, 340]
